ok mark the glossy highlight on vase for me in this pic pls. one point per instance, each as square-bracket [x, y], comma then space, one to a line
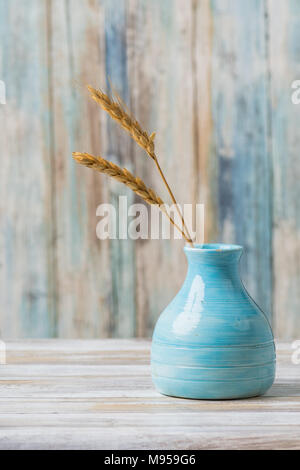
[213, 341]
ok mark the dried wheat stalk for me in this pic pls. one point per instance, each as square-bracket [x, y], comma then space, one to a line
[127, 178]
[116, 111]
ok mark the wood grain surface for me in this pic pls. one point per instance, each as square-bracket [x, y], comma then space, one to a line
[98, 394]
[213, 78]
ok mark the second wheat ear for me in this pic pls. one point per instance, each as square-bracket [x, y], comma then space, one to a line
[124, 176]
[116, 111]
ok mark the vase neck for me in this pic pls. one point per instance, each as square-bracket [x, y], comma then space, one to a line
[214, 260]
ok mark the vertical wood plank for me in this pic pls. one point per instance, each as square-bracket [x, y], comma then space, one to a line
[241, 131]
[27, 306]
[160, 65]
[83, 265]
[119, 150]
[284, 21]
[205, 175]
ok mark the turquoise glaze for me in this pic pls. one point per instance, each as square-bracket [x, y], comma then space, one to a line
[213, 341]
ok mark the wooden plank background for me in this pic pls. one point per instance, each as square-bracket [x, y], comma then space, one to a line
[213, 78]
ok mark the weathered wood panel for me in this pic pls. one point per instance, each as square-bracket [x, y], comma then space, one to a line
[284, 21]
[241, 132]
[98, 395]
[160, 63]
[119, 150]
[26, 191]
[82, 262]
[214, 79]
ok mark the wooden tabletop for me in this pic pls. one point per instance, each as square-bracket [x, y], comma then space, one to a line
[98, 394]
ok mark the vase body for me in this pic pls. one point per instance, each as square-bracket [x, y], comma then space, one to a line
[213, 341]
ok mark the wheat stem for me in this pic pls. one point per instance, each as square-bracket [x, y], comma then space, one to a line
[173, 200]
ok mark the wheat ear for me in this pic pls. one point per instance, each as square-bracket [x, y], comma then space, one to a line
[116, 111]
[124, 176]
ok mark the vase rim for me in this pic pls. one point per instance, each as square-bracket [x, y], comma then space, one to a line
[213, 247]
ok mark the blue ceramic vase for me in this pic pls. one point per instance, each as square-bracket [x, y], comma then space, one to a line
[213, 341]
